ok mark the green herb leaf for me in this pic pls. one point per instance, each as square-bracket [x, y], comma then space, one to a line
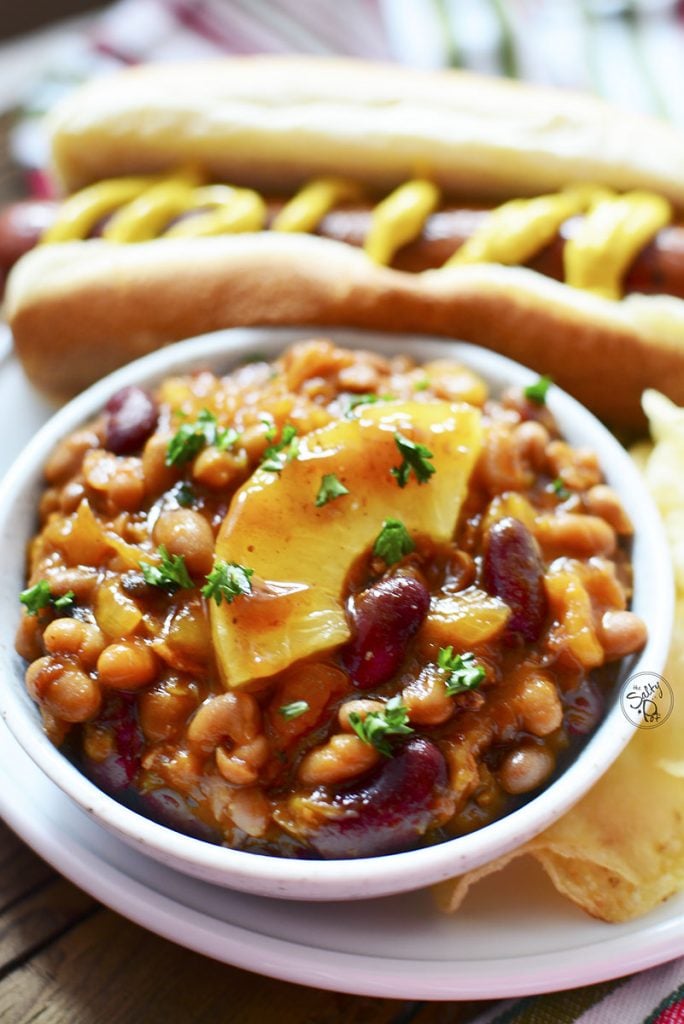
[330, 489]
[559, 488]
[537, 392]
[171, 573]
[37, 597]
[185, 444]
[184, 494]
[422, 385]
[463, 671]
[275, 456]
[273, 464]
[368, 399]
[415, 459]
[376, 728]
[293, 710]
[226, 438]
[65, 602]
[271, 431]
[393, 542]
[226, 581]
[191, 438]
[254, 357]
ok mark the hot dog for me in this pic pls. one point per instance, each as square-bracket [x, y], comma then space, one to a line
[420, 172]
[657, 269]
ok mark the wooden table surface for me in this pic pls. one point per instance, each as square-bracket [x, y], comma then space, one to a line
[66, 959]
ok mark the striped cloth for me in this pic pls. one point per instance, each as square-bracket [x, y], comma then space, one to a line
[635, 58]
[653, 997]
[630, 53]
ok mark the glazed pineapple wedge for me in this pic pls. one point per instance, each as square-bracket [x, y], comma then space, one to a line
[301, 553]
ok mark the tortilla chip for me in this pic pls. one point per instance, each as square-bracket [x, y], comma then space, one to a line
[620, 851]
[449, 895]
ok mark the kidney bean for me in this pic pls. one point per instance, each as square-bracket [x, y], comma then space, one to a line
[391, 810]
[583, 708]
[132, 415]
[386, 616]
[118, 771]
[513, 570]
[168, 808]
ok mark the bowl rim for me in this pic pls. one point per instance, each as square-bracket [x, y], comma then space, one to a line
[361, 877]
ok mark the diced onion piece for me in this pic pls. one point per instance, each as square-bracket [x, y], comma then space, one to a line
[466, 619]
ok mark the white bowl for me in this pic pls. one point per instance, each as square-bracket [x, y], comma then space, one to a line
[327, 880]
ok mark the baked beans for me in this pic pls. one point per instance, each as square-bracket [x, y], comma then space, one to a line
[450, 697]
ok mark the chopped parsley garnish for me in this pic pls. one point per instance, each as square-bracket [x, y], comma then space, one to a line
[271, 430]
[559, 488]
[376, 728]
[294, 709]
[191, 438]
[171, 573]
[330, 489]
[367, 399]
[225, 438]
[415, 459]
[393, 542]
[422, 385]
[463, 671]
[537, 392]
[254, 357]
[186, 443]
[39, 596]
[184, 494]
[226, 581]
[276, 455]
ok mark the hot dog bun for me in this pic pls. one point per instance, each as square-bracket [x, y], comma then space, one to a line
[275, 122]
[80, 309]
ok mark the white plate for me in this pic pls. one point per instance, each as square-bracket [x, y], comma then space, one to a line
[514, 936]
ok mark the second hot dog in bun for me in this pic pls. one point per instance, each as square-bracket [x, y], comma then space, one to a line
[296, 191]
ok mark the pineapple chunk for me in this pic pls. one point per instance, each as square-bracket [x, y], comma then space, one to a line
[301, 554]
